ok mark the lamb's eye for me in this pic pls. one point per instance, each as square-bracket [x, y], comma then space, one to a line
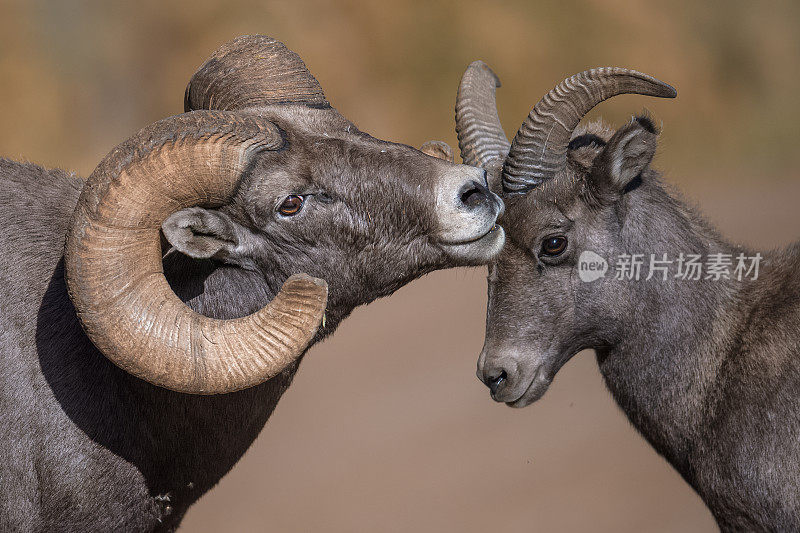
[291, 205]
[553, 246]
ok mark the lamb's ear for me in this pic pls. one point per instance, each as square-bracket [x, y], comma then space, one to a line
[584, 149]
[202, 233]
[438, 149]
[626, 155]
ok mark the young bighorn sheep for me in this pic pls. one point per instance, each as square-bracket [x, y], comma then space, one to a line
[707, 369]
[122, 401]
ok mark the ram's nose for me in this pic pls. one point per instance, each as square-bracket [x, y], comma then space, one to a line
[466, 203]
[476, 195]
[467, 212]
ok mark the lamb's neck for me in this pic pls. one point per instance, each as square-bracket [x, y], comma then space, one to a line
[664, 364]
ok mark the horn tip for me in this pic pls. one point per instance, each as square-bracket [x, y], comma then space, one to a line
[187, 98]
[662, 89]
[306, 280]
[481, 65]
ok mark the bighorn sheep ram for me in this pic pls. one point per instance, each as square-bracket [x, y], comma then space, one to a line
[707, 365]
[122, 401]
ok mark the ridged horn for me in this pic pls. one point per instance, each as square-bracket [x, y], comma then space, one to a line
[539, 149]
[114, 271]
[250, 71]
[480, 134]
[437, 149]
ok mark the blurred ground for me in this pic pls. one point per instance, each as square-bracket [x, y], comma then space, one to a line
[386, 427]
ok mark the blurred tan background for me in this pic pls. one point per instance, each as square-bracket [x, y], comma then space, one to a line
[386, 427]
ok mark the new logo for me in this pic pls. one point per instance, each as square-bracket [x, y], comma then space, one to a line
[591, 266]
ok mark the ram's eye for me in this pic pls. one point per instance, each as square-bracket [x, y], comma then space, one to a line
[553, 246]
[291, 205]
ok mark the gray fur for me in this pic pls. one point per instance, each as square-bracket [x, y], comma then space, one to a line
[707, 371]
[84, 446]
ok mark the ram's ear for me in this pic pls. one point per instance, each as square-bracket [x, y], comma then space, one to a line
[438, 149]
[202, 233]
[494, 175]
[627, 154]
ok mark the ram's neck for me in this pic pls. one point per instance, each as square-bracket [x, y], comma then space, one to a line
[664, 363]
[132, 435]
[195, 440]
[182, 444]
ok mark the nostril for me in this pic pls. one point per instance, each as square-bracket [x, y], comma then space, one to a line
[468, 196]
[495, 382]
[474, 194]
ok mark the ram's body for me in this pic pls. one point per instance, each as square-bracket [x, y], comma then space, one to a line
[86, 445]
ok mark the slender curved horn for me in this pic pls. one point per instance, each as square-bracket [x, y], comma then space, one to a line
[480, 134]
[539, 149]
[115, 275]
[250, 71]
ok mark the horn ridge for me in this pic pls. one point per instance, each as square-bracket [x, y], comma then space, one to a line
[539, 149]
[480, 134]
[114, 270]
[252, 71]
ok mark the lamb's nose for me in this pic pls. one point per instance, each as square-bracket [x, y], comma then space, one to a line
[495, 380]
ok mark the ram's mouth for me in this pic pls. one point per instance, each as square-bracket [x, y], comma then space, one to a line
[492, 228]
[477, 250]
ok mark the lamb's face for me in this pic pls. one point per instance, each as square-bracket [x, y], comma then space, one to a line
[552, 290]
[531, 308]
[562, 192]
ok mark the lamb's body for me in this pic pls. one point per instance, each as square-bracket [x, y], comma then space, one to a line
[708, 368]
[709, 371]
[73, 419]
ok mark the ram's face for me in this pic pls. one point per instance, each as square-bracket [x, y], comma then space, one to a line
[365, 215]
[262, 174]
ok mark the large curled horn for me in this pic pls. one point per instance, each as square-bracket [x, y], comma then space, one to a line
[115, 275]
[250, 71]
[539, 149]
[480, 134]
